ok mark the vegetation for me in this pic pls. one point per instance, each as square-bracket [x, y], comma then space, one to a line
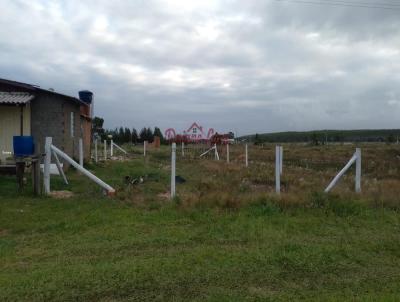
[123, 135]
[226, 237]
[324, 136]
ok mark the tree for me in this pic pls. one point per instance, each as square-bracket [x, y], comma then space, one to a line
[97, 126]
[150, 135]
[135, 136]
[257, 139]
[127, 135]
[143, 135]
[157, 132]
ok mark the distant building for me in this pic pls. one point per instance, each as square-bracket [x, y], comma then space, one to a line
[194, 133]
[27, 109]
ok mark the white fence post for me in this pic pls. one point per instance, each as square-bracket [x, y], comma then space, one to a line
[183, 149]
[105, 150]
[216, 152]
[81, 169]
[47, 162]
[144, 148]
[60, 170]
[119, 148]
[96, 159]
[340, 174]
[111, 148]
[173, 164]
[227, 152]
[281, 159]
[246, 156]
[277, 170]
[80, 152]
[358, 170]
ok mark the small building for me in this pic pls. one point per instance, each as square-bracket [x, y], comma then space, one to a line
[27, 109]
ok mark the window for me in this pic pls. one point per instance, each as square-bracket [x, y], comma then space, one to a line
[72, 124]
[194, 130]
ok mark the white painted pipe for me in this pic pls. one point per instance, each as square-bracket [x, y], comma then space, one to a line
[277, 170]
[96, 159]
[246, 156]
[227, 152]
[216, 152]
[173, 167]
[60, 170]
[212, 148]
[358, 171]
[340, 174]
[105, 150]
[111, 148]
[81, 152]
[119, 148]
[47, 162]
[94, 178]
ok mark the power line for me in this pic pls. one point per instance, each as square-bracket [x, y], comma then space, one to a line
[344, 4]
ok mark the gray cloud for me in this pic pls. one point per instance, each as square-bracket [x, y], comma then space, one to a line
[249, 66]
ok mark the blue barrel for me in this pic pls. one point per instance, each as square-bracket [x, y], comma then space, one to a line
[23, 146]
[86, 96]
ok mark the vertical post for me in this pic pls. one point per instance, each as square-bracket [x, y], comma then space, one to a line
[111, 148]
[144, 147]
[173, 163]
[358, 170]
[246, 156]
[80, 152]
[277, 170]
[227, 153]
[281, 159]
[47, 162]
[95, 151]
[36, 175]
[183, 149]
[105, 150]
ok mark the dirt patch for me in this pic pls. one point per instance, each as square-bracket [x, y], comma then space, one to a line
[3, 232]
[61, 194]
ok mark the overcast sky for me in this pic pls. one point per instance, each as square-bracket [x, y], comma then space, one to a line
[245, 66]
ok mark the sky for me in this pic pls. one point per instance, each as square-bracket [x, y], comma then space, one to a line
[242, 66]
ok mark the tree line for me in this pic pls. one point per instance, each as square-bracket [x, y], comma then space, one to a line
[124, 134]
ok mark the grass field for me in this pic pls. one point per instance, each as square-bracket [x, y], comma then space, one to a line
[226, 237]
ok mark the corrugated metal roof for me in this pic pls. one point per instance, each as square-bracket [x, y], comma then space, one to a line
[15, 97]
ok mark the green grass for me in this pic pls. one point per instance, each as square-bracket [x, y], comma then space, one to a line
[140, 247]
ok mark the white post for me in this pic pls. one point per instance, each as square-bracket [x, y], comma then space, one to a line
[81, 152]
[227, 152]
[97, 180]
[105, 150]
[119, 148]
[277, 170]
[47, 162]
[60, 170]
[111, 148]
[173, 163]
[358, 170]
[216, 152]
[340, 174]
[246, 156]
[96, 159]
[281, 159]
[144, 148]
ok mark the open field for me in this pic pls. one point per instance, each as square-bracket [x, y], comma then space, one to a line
[226, 237]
